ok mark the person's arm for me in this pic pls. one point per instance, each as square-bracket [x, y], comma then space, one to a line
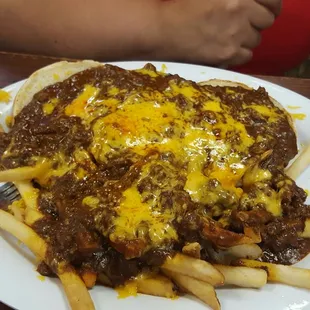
[216, 32]
[106, 29]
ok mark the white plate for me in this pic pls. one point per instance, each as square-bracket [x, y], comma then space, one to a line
[19, 284]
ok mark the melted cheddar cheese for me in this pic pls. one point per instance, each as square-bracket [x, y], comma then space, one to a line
[9, 121]
[49, 106]
[4, 96]
[293, 107]
[130, 289]
[298, 116]
[209, 143]
[133, 214]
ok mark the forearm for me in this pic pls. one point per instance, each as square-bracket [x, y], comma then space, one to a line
[103, 29]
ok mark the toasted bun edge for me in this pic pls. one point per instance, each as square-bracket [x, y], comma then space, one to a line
[51, 74]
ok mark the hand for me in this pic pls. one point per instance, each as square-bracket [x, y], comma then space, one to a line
[275, 6]
[215, 32]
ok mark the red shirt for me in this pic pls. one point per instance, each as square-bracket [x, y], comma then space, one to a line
[286, 44]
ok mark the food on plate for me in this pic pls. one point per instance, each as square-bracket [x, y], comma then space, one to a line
[243, 276]
[149, 183]
[74, 287]
[202, 290]
[279, 273]
[300, 163]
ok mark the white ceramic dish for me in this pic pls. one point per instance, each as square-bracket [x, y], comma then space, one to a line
[21, 288]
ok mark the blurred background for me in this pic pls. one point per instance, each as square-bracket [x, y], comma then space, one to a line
[302, 71]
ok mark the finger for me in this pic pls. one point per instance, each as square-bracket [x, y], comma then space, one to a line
[261, 18]
[275, 6]
[243, 56]
[252, 39]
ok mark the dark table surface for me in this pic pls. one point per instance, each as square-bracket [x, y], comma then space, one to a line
[15, 67]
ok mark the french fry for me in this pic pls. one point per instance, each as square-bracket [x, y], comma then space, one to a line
[149, 284]
[202, 290]
[75, 288]
[250, 251]
[192, 249]
[18, 209]
[292, 276]
[225, 256]
[195, 268]
[76, 291]
[225, 238]
[243, 276]
[89, 277]
[253, 234]
[23, 233]
[24, 173]
[156, 286]
[306, 232]
[300, 164]
[30, 196]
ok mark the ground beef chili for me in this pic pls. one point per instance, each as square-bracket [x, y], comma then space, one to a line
[77, 234]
